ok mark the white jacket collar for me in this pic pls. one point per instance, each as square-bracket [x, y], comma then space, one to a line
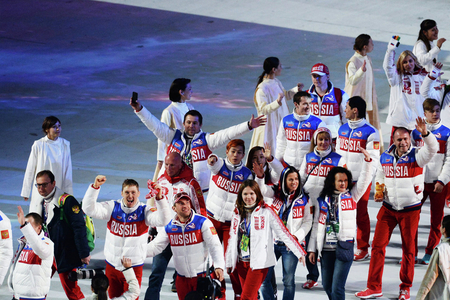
[301, 118]
[356, 124]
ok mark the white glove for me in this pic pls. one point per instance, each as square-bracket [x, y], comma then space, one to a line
[393, 43]
[436, 71]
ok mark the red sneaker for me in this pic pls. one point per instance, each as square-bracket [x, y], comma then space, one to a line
[368, 293]
[360, 255]
[309, 284]
[404, 295]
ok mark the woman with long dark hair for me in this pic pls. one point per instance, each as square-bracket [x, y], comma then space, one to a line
[359, 79]
[250, 248]
[424, 49]
[334, 226]
[270, 100]
[52, 153]
[293, 209]
[316, 164]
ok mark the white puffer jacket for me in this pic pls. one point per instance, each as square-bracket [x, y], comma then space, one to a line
[328, 109]
[434, 89]
[355, 135]
[213, 141]
[405, 101]
[439, 167]
[264, 225]
[30, 273]
[325, 161]
[299, 220]
[226, 179]
[6, 245]
[347, 211]
[127, 229]
[191, 243]
[294, 137]
[404, 178]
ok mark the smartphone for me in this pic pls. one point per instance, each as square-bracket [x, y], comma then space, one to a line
[134, 97]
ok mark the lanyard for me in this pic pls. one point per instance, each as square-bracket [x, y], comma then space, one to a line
[247, 227]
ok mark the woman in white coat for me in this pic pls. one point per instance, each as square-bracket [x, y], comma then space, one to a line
[334, 226]
[270, 100]
[48, 153]
[424, 49]
[250, 248]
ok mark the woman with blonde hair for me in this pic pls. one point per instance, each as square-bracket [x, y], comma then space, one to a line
[405, 78]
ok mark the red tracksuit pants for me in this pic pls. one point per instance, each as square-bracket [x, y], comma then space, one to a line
[387, 220]
[250, 280]
[363, 221]
[437, 203]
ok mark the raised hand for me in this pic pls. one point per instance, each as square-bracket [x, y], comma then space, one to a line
[421, 126]
[280, 98]
[258, 169]
[99, 181]
[440, 42]
[212, 160]
[256, 122]
[267, 151]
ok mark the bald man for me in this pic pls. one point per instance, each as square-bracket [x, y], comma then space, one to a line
[177, 177]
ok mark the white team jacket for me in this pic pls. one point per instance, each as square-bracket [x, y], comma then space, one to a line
[6, 245]
[405, 101]
[299, 222]
[222, 193]
[293, 149]
[347, 212]
[191, 243]
[439, 166]
[31, 270]
[214, 141]
[404, 178]
[347, 145]
[264, 224]
[127, 230]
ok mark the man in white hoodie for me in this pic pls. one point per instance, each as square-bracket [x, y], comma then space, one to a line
[356, 134]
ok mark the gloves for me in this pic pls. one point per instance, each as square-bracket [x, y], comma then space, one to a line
[393, 43]
[435, 72]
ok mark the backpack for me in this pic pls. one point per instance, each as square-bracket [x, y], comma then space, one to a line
[90, 229]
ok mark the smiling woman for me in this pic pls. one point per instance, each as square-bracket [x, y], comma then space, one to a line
[48, 153]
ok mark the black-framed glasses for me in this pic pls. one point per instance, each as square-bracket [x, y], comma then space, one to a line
[43, 185]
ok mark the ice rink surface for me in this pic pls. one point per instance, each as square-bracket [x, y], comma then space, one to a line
[80, 61]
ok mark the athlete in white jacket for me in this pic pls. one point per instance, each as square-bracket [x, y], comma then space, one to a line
[192, 238]
[355, 134]
[296, 131]
[192, 143]
[128, 222]
[405, 78]
[31, 270]
[402, 173]
[251, 247]
[6, 245]
[436, 173]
